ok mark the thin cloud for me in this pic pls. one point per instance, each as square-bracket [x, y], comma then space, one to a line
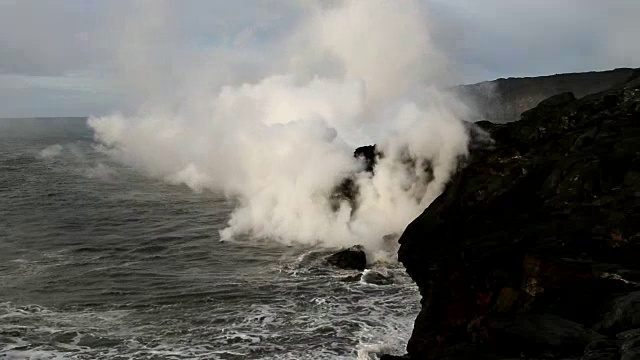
[518, 38]
[229, 40]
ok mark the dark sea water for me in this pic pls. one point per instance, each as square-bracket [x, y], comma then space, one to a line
[100, 261]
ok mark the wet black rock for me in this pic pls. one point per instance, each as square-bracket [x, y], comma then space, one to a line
[377, 277]
[629, 334]
[543, 219]
[630, 349]
[623, 314]
[353, 258]
[602, 349]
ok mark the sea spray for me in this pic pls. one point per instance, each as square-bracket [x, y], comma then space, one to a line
[355, 73]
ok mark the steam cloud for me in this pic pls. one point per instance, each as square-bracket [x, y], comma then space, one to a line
[350, 74]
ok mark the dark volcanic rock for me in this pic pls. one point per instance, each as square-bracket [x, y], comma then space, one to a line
[503, 100]
[541, 333]
[369, 155]
[602, 350]
[630, 348]
[347, 190]
[377, 278]
[543, 220]
[623, 314]
[352, 258]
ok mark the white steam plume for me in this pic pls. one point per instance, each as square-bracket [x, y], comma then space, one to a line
[352, 74]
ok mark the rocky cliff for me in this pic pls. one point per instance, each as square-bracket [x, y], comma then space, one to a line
[533, 249]
[503, 100]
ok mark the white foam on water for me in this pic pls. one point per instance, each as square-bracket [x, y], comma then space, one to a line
[327, 319]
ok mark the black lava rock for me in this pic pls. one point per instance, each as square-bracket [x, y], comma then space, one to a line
[352, 258]
[377, 278]
[369, 155]
[543, 220]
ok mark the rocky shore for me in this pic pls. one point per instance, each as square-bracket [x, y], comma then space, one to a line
[533, 249]
[503, 100]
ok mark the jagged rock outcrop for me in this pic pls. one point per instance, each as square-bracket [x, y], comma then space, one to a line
[353, 258]
[537, 233]
[377, 277]
[347, 190]
[369, 155]
[503, 100]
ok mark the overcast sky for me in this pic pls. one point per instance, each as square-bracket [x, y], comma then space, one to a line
[65, 57]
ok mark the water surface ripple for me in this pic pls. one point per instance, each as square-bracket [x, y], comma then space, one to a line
[98, 261]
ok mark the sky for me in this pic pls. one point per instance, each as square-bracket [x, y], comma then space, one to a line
[95, 57]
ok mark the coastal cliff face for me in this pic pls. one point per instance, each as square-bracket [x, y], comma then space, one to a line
[503, 100]
[533, 249]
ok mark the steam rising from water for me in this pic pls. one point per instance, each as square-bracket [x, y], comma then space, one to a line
[355, 73]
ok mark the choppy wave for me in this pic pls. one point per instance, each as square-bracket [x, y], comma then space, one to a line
[291, 312]
[129, 268]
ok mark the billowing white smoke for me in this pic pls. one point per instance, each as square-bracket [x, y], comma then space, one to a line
[356, 73]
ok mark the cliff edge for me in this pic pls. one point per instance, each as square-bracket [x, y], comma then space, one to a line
[533, 249]
[503, 100]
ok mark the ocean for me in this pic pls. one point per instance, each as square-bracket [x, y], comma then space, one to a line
[98, 260]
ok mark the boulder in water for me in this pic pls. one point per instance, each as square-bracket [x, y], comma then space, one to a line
[377, 278]
[352, 258]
